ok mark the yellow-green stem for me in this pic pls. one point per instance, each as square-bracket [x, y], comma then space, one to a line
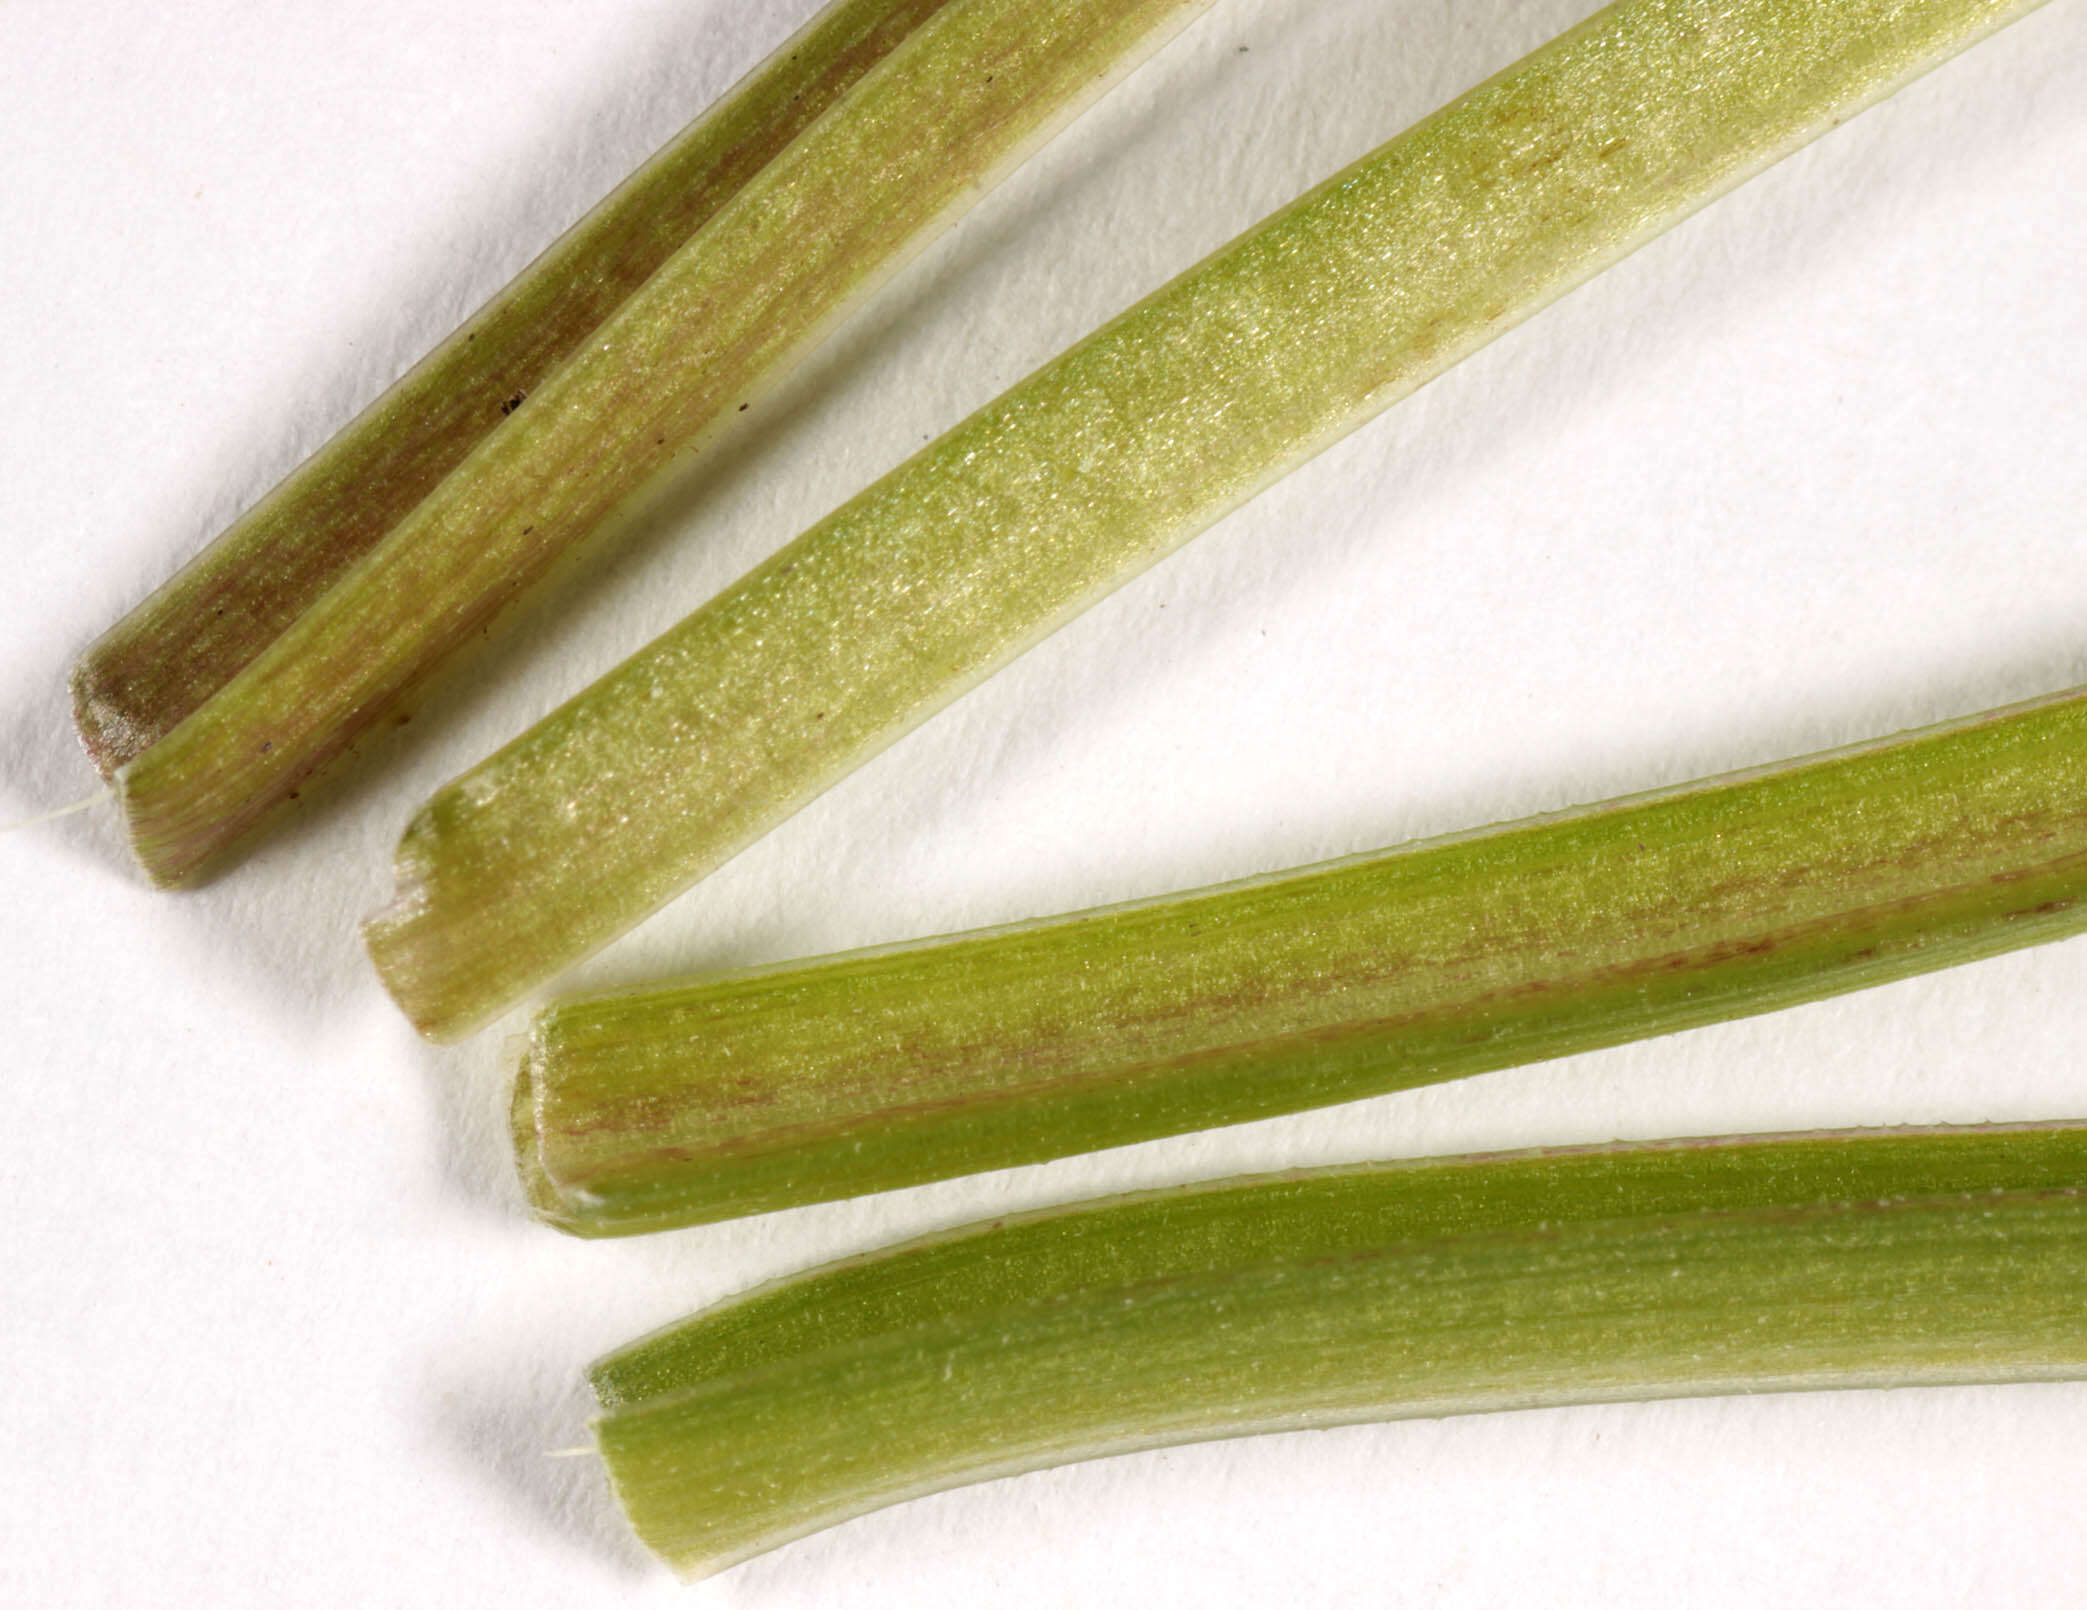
[1106, 459]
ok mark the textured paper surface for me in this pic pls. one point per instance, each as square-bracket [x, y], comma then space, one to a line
[1807, 470]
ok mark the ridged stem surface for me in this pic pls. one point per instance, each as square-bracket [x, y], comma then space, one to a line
[241, 593]
[960, 99]
[1427, 1288]
[742, 1093]
[1108, 458]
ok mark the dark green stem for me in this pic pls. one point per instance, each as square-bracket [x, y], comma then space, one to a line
[1436, 1287]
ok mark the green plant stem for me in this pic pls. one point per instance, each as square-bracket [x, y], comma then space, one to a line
[743, 1093]
[1106, 459]
[1423, 1288]
[953, 105]
[190, 638]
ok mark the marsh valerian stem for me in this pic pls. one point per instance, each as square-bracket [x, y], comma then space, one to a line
[712, 1097]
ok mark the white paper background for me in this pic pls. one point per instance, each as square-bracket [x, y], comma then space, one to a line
[1807, 470]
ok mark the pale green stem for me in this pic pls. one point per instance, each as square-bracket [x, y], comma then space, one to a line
[1366, 1293]
[948, 110]
[1109, 457]
[686, 1102]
